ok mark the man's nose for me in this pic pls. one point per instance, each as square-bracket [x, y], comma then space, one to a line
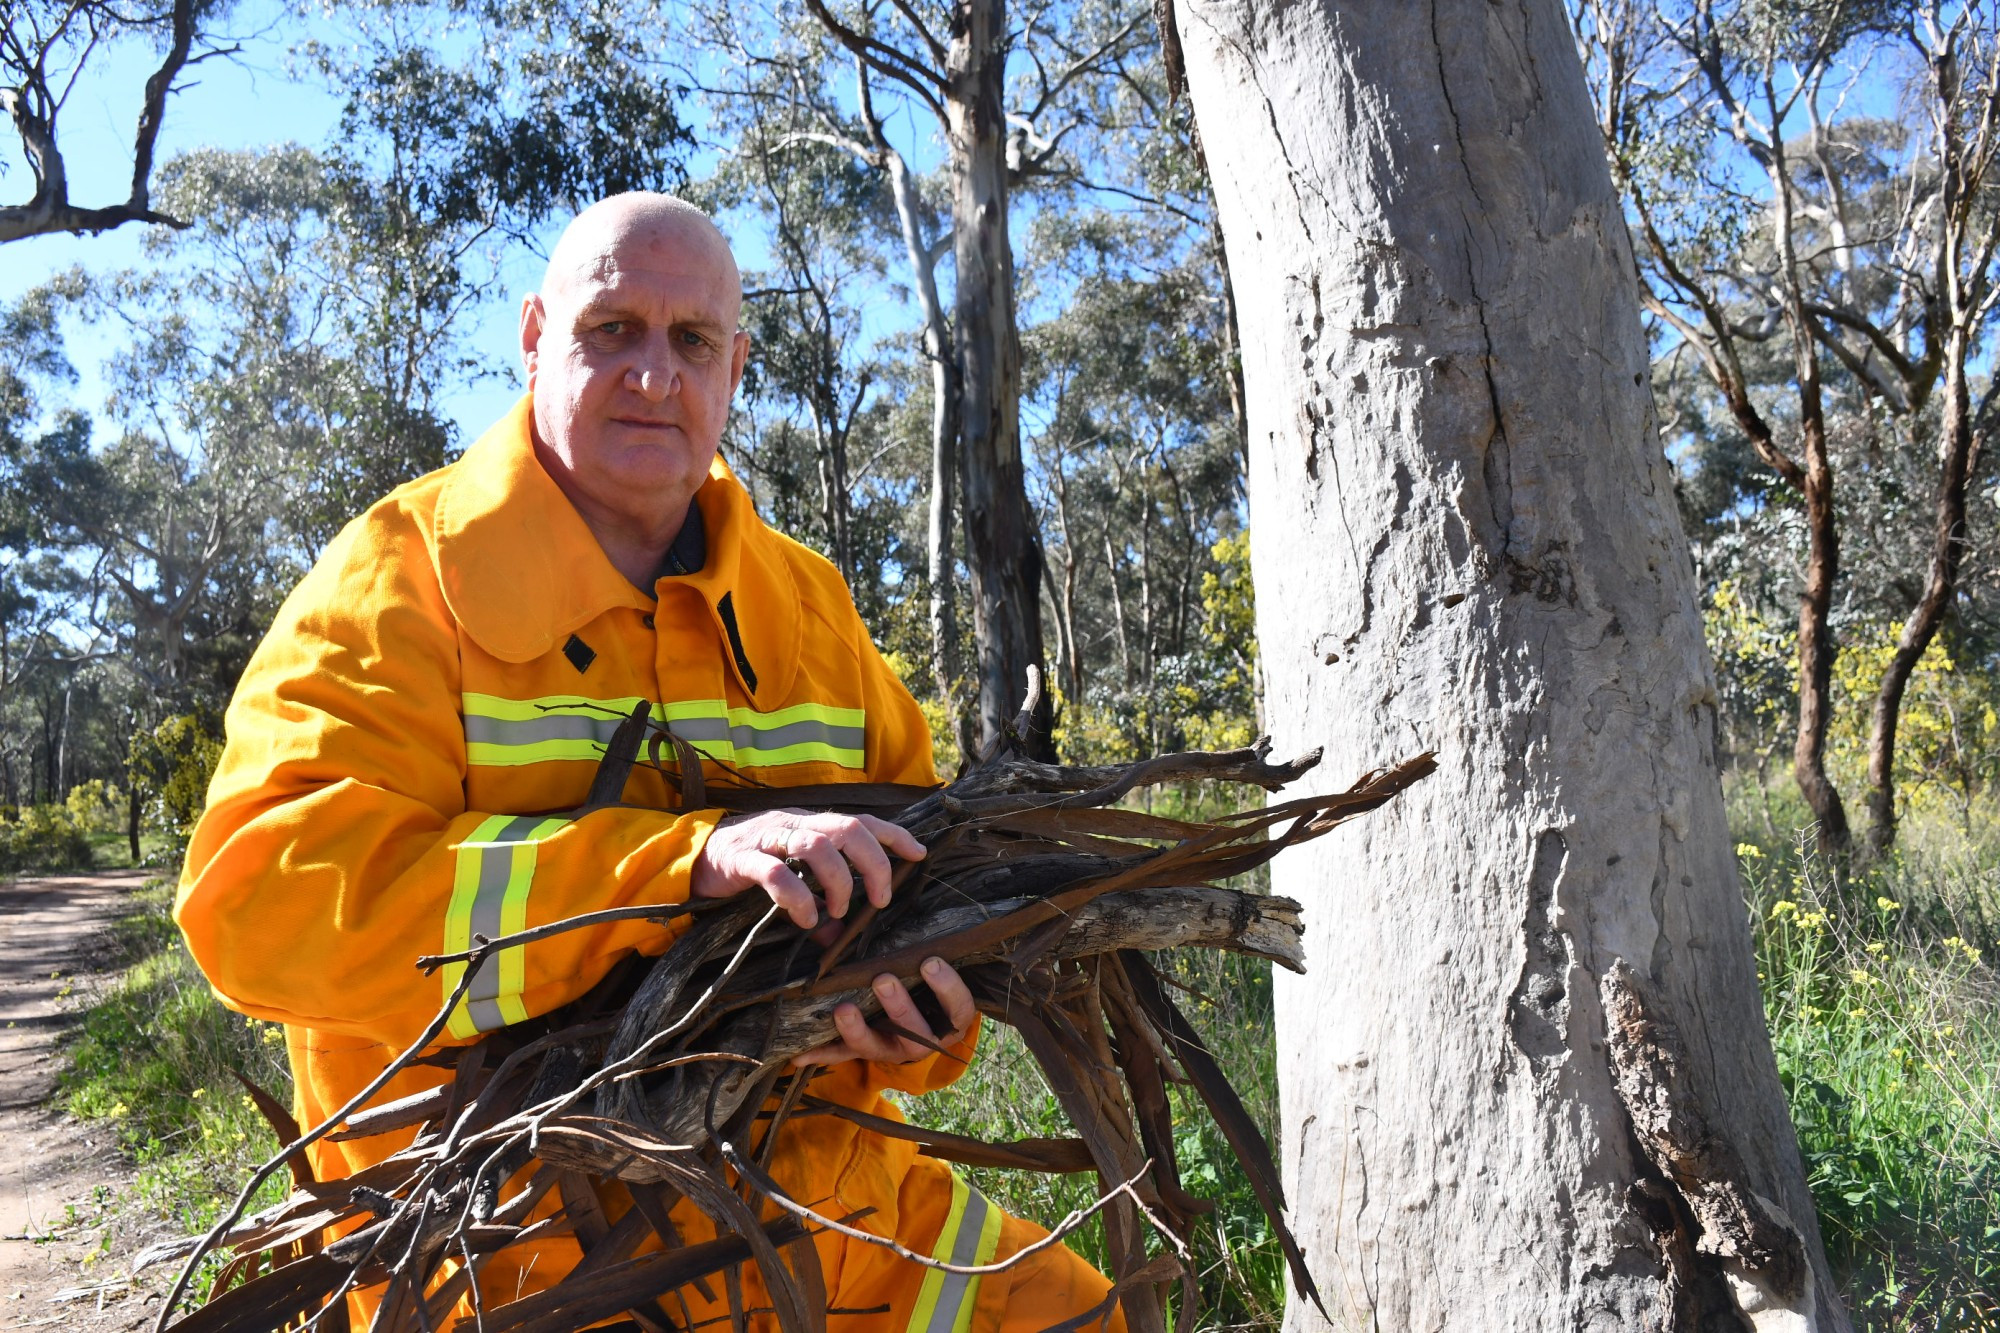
[656, 376]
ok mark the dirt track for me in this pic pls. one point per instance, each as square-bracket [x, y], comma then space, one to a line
[61, 1185]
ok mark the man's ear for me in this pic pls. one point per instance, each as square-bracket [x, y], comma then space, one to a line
[533, 320]
[739, 353]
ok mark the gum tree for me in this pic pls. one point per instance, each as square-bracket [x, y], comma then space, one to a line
[1526, 1083]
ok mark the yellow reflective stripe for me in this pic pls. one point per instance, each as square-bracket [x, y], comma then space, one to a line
[503, 755]
[837, 717]
[529, 710]
[458, 920]
[802, 753]
[970, 1237]
[491, 881]
[513, 732]
[514, 920]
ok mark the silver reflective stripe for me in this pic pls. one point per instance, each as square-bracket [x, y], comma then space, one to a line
[549, 727]
[960, 1288]
[496, 867]
[568, 728]
[748, 737]
[700, 730]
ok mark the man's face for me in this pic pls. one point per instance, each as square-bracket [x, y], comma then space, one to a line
[633, 356]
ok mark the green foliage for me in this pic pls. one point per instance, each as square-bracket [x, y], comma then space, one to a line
[44, 838]
[155, 1057]
[1236, 1252]
[171, 765]
[1948, 732]
[1885, 1017]
[94, 806]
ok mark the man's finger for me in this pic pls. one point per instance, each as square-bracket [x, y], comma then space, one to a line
[786, 889]
[860, 1038]
[895, 837]
[951, 992]
[821, 854]
[900, 1009]
[859, 845]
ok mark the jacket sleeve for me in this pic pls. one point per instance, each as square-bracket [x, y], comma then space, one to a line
[336, 848]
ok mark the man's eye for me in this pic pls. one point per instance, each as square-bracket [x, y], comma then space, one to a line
[614, 327]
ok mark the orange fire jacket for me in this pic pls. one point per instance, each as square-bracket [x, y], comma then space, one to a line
[456, 659]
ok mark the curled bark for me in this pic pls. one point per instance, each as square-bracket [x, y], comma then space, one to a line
[1725, 1249]
[1047, 898]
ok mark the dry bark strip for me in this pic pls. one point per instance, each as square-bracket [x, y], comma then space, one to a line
[1046, 897]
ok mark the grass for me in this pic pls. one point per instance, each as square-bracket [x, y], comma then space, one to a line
[155, 1057]
[1885, 1016]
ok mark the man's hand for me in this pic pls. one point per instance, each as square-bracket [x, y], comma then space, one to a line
[859, 1041]
[753, 849]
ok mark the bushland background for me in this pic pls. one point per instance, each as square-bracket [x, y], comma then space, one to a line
[359, 194]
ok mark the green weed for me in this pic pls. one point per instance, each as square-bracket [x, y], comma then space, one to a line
[1237, 1259]
[155, 1056]
[1887, 1032]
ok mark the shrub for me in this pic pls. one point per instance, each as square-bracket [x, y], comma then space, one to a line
[171, 765]
[43, 837]
[95, 806]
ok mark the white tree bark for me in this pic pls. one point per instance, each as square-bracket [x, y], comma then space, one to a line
[1526, 1081]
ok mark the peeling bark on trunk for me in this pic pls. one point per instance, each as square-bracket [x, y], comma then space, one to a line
[1003, 551]
[1526, 1082]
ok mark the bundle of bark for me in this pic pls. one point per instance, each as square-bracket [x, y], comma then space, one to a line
[674, 1076]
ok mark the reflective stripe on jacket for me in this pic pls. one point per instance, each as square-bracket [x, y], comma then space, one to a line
[447, 673]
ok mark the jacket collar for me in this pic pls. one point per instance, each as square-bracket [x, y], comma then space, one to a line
[521, 571]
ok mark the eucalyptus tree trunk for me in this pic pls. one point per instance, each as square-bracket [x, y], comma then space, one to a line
[1526, 1081]
[1003, 549]
[940, 540]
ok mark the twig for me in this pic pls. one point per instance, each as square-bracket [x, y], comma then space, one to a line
[769, 1188]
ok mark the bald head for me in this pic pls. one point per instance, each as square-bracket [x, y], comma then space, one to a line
[633, 355]
[639, 230]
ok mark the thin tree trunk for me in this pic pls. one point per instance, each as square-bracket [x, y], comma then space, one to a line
[1525, 1083]
[1118, 613]
[1958, 457]
[1816, 646]
[1966, 129]
[947, 414]
[1066, 601]
[940, 538]
[1003, 551]
[1232, 352]
[62, 742]
[1816, 640]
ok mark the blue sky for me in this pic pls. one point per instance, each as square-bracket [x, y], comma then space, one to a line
[255, 100]
[250, 101]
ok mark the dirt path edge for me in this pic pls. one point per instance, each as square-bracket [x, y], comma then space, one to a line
[63, 1186]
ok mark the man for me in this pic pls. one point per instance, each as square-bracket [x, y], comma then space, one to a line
[454, 663]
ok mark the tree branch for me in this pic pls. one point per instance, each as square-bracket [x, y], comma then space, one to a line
[912, 73]
[33, 112]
